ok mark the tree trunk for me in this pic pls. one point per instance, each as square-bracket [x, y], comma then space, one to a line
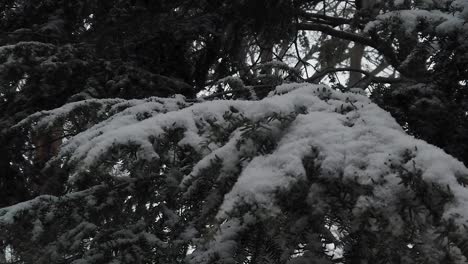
[357, 52]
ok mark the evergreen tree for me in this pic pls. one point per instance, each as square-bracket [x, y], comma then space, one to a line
[196, 131]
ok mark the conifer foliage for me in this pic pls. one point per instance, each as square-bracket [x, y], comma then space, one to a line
[199, 132]
[167, 181]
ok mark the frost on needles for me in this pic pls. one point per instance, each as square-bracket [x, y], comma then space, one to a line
[272, 181]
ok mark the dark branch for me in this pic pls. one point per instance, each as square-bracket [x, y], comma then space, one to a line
[338, 33]
[384, 48]
[333, 21]
[373, 78]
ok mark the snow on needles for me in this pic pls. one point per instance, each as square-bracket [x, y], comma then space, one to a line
[354, 138]
[443, 23]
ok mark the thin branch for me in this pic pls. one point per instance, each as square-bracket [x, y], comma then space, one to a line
[373, 78]
[329, 20]
[382, 47]
[300, 59]
[338, 33]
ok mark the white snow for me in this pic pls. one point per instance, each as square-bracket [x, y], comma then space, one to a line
[357, 143]
[355, 140]
[443, 23]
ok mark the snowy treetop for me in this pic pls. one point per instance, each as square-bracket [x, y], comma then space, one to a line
[427, 16]
[300, 135]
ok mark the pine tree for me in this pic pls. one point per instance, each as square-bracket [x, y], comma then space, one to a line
[237, 181]
[108, 155]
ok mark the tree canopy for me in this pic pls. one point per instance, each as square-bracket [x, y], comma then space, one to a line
[281, 131]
